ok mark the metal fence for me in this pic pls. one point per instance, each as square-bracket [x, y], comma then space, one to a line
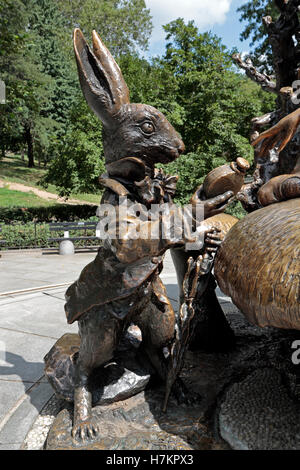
[18, 235]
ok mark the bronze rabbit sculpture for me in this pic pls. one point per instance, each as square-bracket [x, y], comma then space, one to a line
[122, 285]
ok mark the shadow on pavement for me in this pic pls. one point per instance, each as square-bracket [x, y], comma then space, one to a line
[30, 373]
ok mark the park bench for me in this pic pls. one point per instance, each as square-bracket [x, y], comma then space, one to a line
[66, 245]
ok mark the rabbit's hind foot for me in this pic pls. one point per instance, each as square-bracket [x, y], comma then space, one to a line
[88, 429]
[85, 426]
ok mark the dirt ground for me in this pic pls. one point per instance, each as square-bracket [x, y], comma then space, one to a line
[41, 193]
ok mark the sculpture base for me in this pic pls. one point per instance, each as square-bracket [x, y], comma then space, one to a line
[272, 419]
[128, 373]
[136, 424]
[240, 393]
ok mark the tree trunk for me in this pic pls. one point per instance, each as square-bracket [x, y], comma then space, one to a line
[29, 141]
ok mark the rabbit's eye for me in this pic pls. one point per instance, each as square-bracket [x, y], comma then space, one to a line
[147, 127]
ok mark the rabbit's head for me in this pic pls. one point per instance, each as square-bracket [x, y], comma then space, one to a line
[129, 130]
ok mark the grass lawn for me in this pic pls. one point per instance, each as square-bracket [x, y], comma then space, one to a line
[13, 169]
[9, 198]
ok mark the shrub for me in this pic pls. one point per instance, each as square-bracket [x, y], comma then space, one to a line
[57, 212]
[236, 209]
[36, 235]
[25, 235]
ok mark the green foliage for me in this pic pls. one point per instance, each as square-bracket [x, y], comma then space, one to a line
[37, 235]
[152, 83]
[48, 24]
[28, 87]
[236, 209]
[25, 235]
[194, 84]
[56, 212]
[124, 25]
[191, 169]
[37, 63]
[13, 18]
[77, 162]
[216, 103]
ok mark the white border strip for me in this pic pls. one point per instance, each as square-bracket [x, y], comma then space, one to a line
[33, 289]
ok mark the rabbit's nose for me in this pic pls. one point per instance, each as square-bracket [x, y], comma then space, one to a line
[181, 147]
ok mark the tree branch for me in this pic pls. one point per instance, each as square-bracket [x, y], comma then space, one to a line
[265, 81]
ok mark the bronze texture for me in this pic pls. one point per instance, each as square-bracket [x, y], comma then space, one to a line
[256, 260]
[262, 277]
[122, 285]
[226, 178]
[258, 264]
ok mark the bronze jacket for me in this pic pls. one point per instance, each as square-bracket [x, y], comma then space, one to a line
[124, 263]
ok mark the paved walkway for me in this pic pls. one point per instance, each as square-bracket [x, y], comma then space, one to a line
[32, 287]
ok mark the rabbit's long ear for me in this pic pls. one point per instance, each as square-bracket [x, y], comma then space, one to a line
[98, 77]
[120, 89]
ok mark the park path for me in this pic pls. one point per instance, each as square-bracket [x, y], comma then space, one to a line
[41, 193]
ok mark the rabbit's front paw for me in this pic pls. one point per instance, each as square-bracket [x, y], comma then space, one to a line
[88, 429]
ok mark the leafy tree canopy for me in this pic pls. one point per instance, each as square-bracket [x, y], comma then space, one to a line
[252, 13]
[124, 25]
[194, 84]
[37, 62]
[217, 104]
